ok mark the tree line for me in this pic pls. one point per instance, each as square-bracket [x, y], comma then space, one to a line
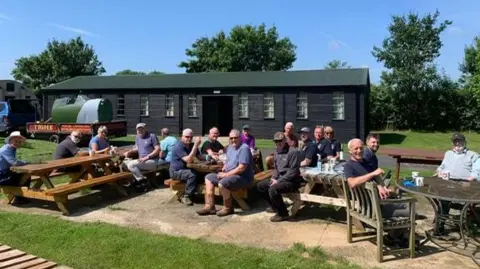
[412, 92]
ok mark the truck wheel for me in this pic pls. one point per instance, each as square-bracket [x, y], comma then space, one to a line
[55, 139]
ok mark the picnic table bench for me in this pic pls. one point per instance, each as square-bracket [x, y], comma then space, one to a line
[239, 195]
[415, 156]
[41, 174]
[15, 259]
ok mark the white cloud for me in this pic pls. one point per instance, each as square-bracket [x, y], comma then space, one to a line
[455, 30]
[334, 44]
[4, 17]
[72, 29]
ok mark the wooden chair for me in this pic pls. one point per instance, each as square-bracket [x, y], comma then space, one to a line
[364, 204]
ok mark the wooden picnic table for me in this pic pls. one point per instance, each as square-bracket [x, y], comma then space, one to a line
[331, 193]
[206, 167]
[40, 174]
[416, 156]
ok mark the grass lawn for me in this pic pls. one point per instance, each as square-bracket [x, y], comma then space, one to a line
[98, 245]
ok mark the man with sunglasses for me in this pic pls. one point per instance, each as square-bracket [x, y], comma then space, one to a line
[237, 173]
[285, 178]
[183, 152]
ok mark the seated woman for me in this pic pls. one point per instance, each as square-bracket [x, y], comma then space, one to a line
[99, 143]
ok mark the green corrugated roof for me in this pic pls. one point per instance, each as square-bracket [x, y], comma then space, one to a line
[331, 77]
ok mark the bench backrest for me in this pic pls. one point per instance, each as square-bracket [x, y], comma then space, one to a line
[364, 200]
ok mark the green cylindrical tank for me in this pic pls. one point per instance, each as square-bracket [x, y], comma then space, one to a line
[82, 110]
[64, 110]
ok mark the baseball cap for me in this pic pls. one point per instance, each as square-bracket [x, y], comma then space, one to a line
[278, 136]
[246, 126]
[141, 125]
[458, 137]
[304, 130]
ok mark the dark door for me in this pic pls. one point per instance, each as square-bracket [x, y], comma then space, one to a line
[217, 112]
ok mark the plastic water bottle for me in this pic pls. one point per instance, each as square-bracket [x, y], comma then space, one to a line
[319, 163]
[341, 155]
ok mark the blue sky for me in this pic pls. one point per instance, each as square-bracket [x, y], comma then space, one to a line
[145, 35]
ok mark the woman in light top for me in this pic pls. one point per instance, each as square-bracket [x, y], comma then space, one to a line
[99, 143]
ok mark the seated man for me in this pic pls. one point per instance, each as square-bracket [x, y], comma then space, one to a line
[459, 160]
[336, 145]
[318, 134]
[148, 148]
[308, 154]
[183, 152]
[166, 146]
[291, 139]
[247, 138]
[285, 178]
[369, 154]
[212, 147]
[99, 144]
[357, 172]
[237, 173]
[68, 148]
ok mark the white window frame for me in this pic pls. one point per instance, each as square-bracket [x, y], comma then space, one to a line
[268, 105]
[192, 106]
[144, 105]
[302, 106]
[121, 105]
[169, 105]
[243, 105]
[338, 100]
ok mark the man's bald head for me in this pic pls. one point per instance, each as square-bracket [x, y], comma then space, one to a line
[289, 127]
[213, 133]
[355, 148]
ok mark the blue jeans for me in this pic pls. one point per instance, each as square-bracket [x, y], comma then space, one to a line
[187, 176]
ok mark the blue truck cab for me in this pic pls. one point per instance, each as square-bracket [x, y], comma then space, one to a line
[16, 113]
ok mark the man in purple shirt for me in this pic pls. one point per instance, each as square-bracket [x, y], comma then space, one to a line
[237, 173]
[246, 137]
[148, 148]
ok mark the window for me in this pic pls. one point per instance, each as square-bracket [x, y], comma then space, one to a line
[144, 105]
[302, 106]
[120, 105]
[243, 105]
[268, 106]
[192, 106]
[10, 87]
[169, 108]
[338, 106]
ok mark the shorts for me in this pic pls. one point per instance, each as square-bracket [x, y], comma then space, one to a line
[230, 183]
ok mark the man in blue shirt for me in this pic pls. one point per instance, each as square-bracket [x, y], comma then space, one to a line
[99, 143]
[148, 148]
[369, 154]
[166, 146]
[308, 154]
[237, 173]
[183, 152]
[8, 158]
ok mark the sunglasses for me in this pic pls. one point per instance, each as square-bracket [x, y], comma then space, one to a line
[76, 136]
[233, 137]
[187, 136]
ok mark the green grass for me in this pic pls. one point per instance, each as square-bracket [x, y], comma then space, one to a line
[99, 245]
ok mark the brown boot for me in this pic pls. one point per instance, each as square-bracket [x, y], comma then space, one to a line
[227, 208]
[209, 208]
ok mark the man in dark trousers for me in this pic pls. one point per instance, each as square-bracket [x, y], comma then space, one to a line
[285, 179]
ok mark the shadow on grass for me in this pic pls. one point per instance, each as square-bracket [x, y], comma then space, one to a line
[392, 138]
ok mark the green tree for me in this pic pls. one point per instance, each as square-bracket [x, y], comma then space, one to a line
[409, 53]
[155, 73]
[336, 64]
[58, 62]
[246, 48]
[128, 72]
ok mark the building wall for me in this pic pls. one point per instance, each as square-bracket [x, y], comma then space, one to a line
[320, 110]
[15, 89]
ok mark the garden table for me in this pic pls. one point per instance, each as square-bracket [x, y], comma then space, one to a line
[415, 156]
[463, 193]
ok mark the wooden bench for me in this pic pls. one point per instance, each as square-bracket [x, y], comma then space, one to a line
[238, 195]
[53, 174]
[15, 259]
[60, 193]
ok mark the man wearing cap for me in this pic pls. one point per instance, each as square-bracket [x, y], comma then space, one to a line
[182, 153]
[308, 154]
[8, 158]
[459, 160]
[291, 140]
[285, 178]
[148, 149]
[247, 138]
[237, 173]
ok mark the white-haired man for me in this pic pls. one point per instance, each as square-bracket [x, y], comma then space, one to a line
[99, 144]
[183, 152]
[148, 149]
[237, 173]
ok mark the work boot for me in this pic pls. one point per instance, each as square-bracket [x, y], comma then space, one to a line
[278, 218]
[209, 208]
[227, 208]
[186, 200]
